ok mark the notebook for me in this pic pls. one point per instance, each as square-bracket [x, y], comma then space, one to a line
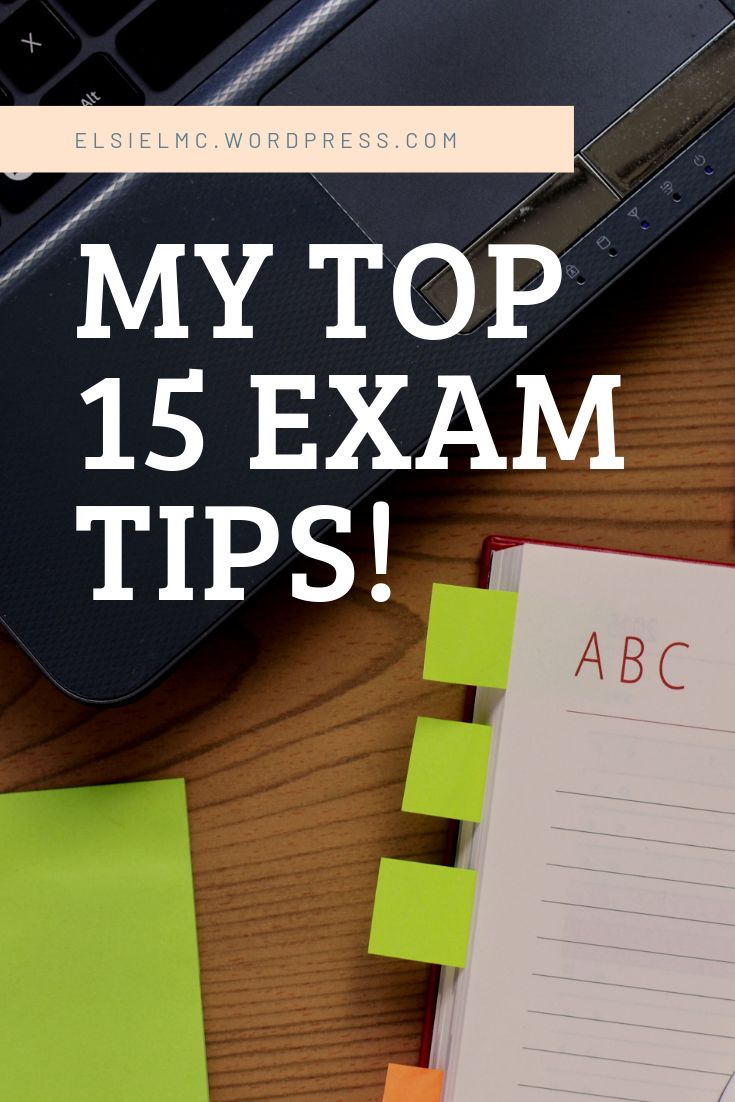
[600, 958]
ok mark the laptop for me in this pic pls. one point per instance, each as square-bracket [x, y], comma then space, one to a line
[653, 86]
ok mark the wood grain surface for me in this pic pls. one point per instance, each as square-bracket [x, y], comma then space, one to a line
[293, 723]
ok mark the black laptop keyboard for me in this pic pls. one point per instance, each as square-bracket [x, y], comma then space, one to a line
[97, 16]
[114, 53]
[161, 46]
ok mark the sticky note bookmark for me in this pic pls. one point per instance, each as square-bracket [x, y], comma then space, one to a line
[406, 1084]
[99, 968]
[470, 636]
[448, 768]
[422, 912]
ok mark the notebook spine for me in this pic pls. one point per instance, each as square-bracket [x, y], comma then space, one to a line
[489, 546]
[423, 911]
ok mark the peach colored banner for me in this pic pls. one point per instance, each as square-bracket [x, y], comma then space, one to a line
[286, 139]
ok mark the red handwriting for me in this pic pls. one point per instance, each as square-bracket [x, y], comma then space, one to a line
[633, 662]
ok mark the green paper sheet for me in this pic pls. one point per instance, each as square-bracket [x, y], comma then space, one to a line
[99, 976]
[422, 912]
[448, 768]
[470, 636]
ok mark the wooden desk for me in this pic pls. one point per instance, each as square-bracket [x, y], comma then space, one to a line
[293, 723]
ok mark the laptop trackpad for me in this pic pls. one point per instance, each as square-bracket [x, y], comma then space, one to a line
[600, 55]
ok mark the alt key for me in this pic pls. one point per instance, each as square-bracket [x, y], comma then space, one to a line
[96, 82]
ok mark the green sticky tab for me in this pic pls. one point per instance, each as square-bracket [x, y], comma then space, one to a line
[99, 968]
[422, 912]
[470, 636]
[448, 768]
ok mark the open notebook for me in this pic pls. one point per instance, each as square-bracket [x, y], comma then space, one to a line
[601, 960]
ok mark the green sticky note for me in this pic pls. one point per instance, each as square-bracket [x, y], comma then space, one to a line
[448, 768]
[470, 636]
[422, 912]
[99, 975]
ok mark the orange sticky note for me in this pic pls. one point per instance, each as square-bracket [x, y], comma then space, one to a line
[404, 1084]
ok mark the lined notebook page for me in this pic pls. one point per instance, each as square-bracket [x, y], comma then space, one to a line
[603, 957]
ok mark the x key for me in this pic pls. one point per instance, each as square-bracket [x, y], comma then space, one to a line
[34, 45]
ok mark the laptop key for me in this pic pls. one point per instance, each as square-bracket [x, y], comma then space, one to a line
[97, 16]
[18, 190]
[96, 82]
[162, 43]
[34, 45]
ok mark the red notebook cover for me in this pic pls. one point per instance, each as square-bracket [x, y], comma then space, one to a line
[489, 547]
